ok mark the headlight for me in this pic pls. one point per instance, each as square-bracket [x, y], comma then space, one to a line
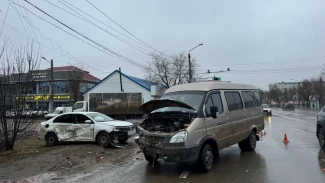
[269, 110]
[179, 137]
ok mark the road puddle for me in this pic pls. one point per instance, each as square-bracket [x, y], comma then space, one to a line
[37, 178]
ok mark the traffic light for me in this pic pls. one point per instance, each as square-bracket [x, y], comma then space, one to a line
[216, 78]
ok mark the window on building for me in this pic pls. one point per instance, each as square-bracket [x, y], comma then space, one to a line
[44, 88]
[61, 87]
[234, 101]
[249, 99]
[43, 106]
[60, 104]
[32, 89]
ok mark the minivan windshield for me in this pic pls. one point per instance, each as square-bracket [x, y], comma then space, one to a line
[191, 98]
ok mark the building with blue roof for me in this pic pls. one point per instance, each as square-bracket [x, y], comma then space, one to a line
[118, 82]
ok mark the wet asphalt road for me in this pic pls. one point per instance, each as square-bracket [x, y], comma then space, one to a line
[300, 161]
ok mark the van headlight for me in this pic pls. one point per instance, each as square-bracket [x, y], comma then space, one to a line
[179, 137]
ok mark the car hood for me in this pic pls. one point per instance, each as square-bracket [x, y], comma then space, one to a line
[157, 104]
[115, 123]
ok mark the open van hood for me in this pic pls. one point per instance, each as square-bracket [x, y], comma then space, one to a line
[157, 104]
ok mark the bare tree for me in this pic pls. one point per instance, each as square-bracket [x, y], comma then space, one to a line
[276, 94]
[15, 81]
[305, 91]
[318, 88]
[76, 81]
[170, 71]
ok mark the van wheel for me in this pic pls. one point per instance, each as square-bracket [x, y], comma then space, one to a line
[103, 139]
[321, 137]
[51, 139]
[248, 144]
[206, 158]
[149, 158]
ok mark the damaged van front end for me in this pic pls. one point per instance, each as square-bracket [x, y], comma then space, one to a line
[163, 134]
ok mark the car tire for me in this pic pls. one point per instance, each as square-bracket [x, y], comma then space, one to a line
[206, 158]
[104, 139]
[249, 144]
[149, 158]
[51, 140]
[321, 137]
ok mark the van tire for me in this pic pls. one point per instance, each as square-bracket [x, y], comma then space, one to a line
[51, 139]
[103, 139]
[249, 144]
[206, 158]
[321, 137]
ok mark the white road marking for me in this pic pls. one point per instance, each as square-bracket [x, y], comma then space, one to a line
[314, 153]
[184, 174]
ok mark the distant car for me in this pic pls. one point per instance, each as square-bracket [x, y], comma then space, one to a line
[320, 129]
[288, 107]
[85, 126]
[267, 110]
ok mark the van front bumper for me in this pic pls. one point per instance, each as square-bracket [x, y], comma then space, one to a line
[174, 154]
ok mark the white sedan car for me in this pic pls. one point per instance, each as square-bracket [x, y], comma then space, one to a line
[85, 126]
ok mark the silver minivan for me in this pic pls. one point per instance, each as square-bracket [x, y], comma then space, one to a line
[193, 122]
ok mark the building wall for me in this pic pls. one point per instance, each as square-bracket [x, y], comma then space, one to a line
[112, 85]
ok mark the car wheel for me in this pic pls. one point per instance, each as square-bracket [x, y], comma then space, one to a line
[104, 140]
[149, 158]
[51, 139]
[206, 158]
[321, 137]
[248, 144]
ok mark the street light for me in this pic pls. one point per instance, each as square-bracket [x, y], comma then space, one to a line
[51, 88]
[189, 62]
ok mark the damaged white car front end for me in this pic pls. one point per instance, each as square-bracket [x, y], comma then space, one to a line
[92, 127]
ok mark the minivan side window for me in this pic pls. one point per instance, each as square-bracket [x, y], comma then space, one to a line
[234, 101]
[217, 102]
[208, 105]
[249, 99]
[214, 100]
[257, 98]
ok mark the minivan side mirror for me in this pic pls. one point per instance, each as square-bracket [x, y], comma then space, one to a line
[213, 111]
[88, 121]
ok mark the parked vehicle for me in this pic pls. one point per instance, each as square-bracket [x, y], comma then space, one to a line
[85, 126]
[288, 107]
[192, 122]
[120, 106]
[267, 110]
[58, 110]
[320, 129]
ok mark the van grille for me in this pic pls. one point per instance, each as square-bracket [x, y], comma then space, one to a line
[154, 140]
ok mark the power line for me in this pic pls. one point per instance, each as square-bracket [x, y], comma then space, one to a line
[122, 27]
[262, 63]
[92, 23]
[5, 19]
[121, 57]
[50, 48]
[101, 22]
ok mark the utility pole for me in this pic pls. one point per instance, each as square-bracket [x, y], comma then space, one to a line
[190, 64]
[190, 68]
[52, 88]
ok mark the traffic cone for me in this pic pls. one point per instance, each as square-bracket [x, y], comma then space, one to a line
[285, 140]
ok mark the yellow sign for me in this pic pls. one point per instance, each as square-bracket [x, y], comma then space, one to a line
[45, 97]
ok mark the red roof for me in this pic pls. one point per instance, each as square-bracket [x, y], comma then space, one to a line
[87, 76]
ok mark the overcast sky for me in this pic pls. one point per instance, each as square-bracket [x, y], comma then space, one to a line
[261, 41]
